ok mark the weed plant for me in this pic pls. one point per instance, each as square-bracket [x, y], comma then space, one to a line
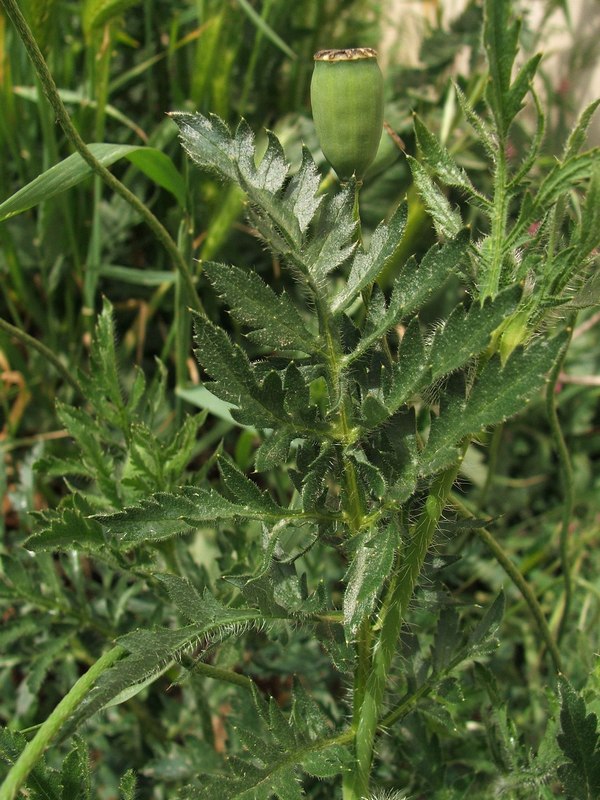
[348, 551]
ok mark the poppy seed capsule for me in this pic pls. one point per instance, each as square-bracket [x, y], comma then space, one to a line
[346, 94]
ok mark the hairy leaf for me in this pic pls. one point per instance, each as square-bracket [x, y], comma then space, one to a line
[367, 266]
[366, 576]
[499, 392]
[466, 333]
[274, 318]
[579, 743]
[447, 220]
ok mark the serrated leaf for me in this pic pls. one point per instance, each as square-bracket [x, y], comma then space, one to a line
[235, 380]
[244, 490]
[313, 482]
[579, 742]
[164, 514]
[43, 782]
[500, 37]
[274, 319]
[333, 242]
[380, 319]
[447, 220]
[409, 372]
[208, 142]
[186, 597]
[466, 333]
[563, 177]
[416, 283]
[437, 157]
[152, 652]
[71, 529]
[498, 393]
[577, 136]
[274, 451]
[326, 763]
[302, 191]
[370, 567]
[367, 266]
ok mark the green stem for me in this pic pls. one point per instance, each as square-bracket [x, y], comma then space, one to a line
[517, 578]
[491, 280]
[566, 475]
[48, 730]
[63, 118]
[29, 341]
[391, 617]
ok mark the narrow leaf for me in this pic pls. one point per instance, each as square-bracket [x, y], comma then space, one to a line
[68, 173]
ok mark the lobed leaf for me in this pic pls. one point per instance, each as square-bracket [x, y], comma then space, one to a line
[579, 742]
[367, 266]
[466, 333]
[164, 514]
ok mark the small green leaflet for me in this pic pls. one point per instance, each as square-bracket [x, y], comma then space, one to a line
[127, 786]
[274, 451]
[276, 753]
[243, 490]
[416, 284]
[75, 775]
[333, 242]
[235, 381]
[501, 38]
[437, 157]
[42, 782]
[410, 371]
[273, 318]
[466, 333]
[281, 214]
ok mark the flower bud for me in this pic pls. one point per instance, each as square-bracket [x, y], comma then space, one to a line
[347, 104]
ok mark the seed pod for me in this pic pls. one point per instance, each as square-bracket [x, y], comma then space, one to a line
[347, 104]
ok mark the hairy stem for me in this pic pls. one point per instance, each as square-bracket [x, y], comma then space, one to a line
[63, 118]
[389, 624]
[48, 730]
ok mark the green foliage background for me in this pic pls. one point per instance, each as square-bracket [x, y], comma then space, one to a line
[237, 628]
